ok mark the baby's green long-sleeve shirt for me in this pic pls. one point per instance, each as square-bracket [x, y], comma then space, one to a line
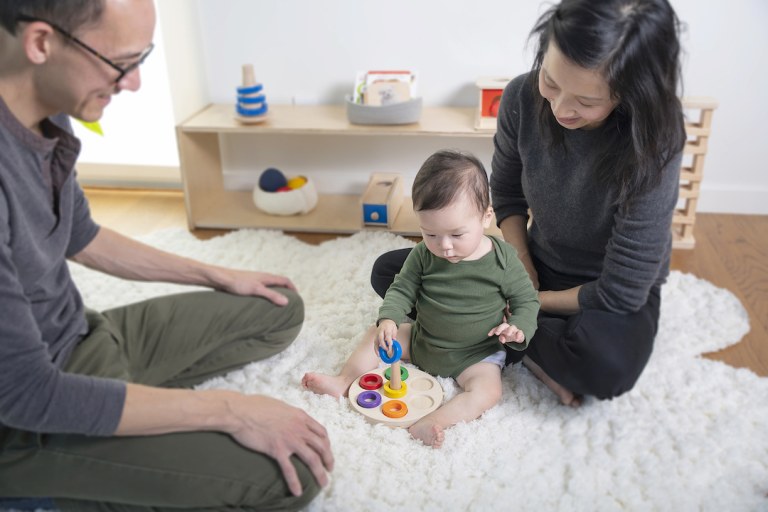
[458, 304]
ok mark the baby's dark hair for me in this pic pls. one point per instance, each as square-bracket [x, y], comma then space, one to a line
[444, 176]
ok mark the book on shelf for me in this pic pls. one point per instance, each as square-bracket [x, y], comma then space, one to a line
[384, 87]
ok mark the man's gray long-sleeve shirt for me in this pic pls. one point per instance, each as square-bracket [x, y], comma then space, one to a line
[44, 219]
[578, 229]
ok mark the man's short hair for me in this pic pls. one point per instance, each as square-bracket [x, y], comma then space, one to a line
[70, 15]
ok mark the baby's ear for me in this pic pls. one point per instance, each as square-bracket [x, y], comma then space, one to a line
[488, 217]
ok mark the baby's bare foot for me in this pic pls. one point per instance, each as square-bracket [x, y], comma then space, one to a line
[322, 384]
[428, 433]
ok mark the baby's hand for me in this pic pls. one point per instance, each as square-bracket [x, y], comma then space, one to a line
[507, 333]
[385, 333]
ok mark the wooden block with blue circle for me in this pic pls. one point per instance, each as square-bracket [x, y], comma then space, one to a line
[382, 199]
[395, 396]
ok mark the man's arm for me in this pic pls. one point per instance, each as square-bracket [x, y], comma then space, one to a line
[257, 422]
[123, 257]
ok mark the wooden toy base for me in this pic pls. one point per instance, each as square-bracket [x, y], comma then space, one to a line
[423, 396]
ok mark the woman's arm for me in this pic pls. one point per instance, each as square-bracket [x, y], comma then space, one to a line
[564, 302]
[514, 229]
[638, 253]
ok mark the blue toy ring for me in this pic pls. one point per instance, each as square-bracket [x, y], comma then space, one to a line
[397, 352]
[253, 89]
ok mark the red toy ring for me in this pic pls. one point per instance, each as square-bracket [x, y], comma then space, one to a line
[370, 381]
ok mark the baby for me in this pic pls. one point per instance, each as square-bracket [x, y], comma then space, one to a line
[471, 293]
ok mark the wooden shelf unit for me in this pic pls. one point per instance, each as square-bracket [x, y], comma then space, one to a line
[209, 205]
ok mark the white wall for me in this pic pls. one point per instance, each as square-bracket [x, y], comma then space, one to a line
[138, 147]
[138, 127]
[726, 47]
[308, 52]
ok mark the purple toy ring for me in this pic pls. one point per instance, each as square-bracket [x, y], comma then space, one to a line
[368, 399]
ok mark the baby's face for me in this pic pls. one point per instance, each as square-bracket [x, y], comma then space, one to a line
[455, 232]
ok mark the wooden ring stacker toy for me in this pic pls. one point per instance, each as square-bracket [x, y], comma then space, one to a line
[390, 401]
[251, 106]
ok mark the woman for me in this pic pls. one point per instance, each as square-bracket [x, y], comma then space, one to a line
[591, 142]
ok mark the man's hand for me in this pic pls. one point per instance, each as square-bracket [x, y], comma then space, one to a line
[257, 422]
[244, 282]
[279, 430]
[507, 333]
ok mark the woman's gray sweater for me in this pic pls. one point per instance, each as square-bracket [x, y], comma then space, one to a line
[578, 229]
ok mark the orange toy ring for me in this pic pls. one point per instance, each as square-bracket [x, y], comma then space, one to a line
[394, 409]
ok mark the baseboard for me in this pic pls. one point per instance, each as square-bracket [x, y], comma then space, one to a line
[129, 176]
[733, 199]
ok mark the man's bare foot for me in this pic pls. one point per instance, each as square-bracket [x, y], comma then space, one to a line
[322, 384]
[428, 433]
[566, 396]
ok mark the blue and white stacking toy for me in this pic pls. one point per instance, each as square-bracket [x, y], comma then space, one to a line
[251, 102]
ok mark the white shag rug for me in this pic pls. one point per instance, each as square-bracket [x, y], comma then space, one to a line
[692, 435]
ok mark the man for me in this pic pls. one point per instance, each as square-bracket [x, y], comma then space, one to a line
[96, 409]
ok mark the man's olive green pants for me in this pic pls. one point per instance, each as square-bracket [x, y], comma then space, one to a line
[175, 341]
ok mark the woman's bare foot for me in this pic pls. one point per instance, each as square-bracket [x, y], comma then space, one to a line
[322, 384]
[566, 396]
[428, 433]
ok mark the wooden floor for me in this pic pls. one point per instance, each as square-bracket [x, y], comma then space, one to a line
[731, 252]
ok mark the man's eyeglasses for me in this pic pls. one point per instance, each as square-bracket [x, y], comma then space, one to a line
[120, 69]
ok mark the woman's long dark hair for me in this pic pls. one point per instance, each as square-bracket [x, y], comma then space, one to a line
[635, 45]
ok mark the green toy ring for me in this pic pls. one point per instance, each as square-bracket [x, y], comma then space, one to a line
[403, 373]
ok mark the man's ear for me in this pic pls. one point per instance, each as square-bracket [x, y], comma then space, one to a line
[36, 40]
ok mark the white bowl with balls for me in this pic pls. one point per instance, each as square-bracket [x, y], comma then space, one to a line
[277, 195]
